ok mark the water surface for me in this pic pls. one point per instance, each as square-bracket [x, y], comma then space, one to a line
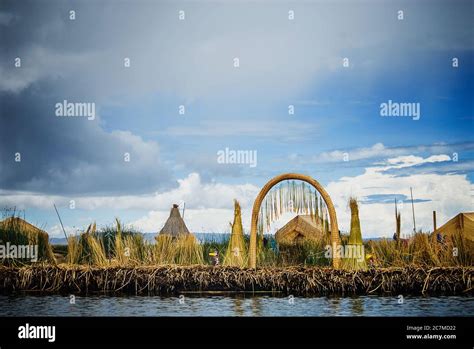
[235, 305]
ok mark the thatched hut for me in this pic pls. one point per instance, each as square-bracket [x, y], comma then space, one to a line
[17, 231]
[462, 223]
[175, 226]
[299, 229]
[175, 244]
[302, 240]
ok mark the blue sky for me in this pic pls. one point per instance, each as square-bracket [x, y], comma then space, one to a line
[190, 63]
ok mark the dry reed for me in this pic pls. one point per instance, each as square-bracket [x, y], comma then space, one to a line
[355, 240]
[236, 254]
[297, 281]
[423, 250]
[18, 232]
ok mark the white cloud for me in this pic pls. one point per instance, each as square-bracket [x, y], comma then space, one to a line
[448, 194]
[56, 231]
[379, 150]
[411, 160]
[209, 205]
[356, 154]
[191, 190]
[197, 220]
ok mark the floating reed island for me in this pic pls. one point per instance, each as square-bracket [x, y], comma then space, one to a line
[296, 281]
[308, 256]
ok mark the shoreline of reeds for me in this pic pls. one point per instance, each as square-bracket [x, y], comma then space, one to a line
[296, 281]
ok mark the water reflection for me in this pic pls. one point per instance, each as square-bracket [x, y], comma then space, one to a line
[357, 306]
[234, 305]
[256, 306]
[333, 306]
[239, 306]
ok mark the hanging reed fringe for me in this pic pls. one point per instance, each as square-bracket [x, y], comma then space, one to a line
[291, 197]
[297, 281]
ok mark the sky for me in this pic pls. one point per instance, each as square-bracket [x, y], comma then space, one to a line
[142, 63]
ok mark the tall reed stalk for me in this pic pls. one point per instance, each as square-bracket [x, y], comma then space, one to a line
[355, 244]
[236, 254]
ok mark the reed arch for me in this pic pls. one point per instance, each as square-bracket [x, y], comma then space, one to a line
[335, 239]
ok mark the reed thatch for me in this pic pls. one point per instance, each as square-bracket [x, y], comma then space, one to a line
[17, 231]
[110, 247]
[355, 239]
[87, 248]
[301, 228]
[463, 223]
[187, 250]
[297, 281]
[175, 225]
[423, 250]
[236, 254]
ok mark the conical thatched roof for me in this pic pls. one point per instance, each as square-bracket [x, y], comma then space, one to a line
[175, 225]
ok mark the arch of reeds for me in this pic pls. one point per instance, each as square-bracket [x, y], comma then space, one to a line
[335, 239]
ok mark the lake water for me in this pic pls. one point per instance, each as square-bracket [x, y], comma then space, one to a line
[235, 305]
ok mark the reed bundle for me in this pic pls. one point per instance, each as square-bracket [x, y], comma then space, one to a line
[182, 250]
[164, 250]
[89, 248]
[355, 239]
[187, 251]
[236, 254]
